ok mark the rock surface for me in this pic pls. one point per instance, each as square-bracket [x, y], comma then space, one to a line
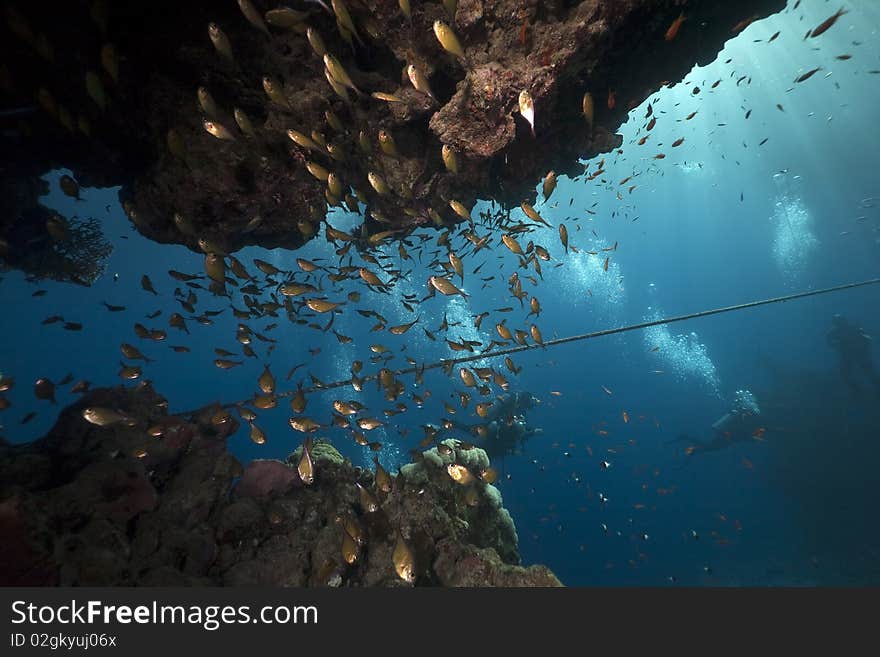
[149, 135]
[118, 505]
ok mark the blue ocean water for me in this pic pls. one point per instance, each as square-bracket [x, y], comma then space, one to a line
[723, 219]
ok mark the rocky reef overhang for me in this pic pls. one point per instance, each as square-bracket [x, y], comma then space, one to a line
[109, 90]
[157, 499]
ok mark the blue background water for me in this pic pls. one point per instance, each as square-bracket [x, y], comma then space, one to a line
[712, 224]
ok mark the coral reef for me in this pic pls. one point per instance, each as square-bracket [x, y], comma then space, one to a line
[43, 244]
[156, 499]
[111, 94]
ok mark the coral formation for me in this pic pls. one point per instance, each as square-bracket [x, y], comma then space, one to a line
[156, 499]
[43, 244]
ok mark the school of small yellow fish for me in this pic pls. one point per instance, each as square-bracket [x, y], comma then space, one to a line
[312, 293]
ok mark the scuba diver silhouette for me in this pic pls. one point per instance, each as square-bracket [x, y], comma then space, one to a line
[853, 347]
[505, 430]
[738, 425]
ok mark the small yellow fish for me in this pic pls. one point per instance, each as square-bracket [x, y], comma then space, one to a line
[215, 267]
[489, 475]
[220, 417]
[338, 72]
[388, 98]
[527, 109]
[344, 18]
[338, 89]
[336, 153]
[387, 144]
[449, 158]
[206, 102]
[304, 424]
[321, 306]
[275, 91]
[258, 436]
[246, 414]
[305, 468]
[588, 109]
[351, 525]
[266, 381]
[300, 139]
[460, 210]
[368, 501]
[419, 81]
[317, 171]
[369, 423]
[266, 267]
[176, 321]
[253, 16]
[156, 334]
[532, 214]
[346, 408]
[460, 474]
[334, 121]
[316, 42]
[364, 143]
[446, 36]
[218, 130]
[383, 480]
[445, 286]
[534, 306]
[371, 25]
[457, 267]
[511, 243]
[293, 289]
[298, 401]
[483, 409]
[334, 185]
[402, 328]
[285, 17]
[350, 550]
[221, 41]
[378, 183]
[132, 353]
[403, 560]
[369, 277]
[549, 185]
[244, 122]
[104, 417]
[536, 334]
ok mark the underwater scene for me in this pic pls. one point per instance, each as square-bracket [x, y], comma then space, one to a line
[372, 293]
